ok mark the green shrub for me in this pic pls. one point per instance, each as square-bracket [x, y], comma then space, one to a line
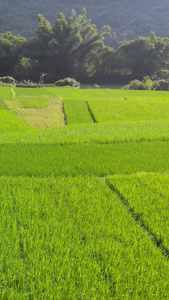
[7, 80]
[148, 83]
[126, 87]
[162, 85]
[68, 81]
[163, 74]
[96, 86]
[135, 85]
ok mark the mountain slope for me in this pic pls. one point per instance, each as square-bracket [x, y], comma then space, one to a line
[128, 19]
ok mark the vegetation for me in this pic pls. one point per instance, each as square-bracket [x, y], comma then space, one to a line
[49, 115]
[127, 21]
[83, 210]
[65, 242]
[7, 80]
[77, 112]
[148, 84]
[74, 48]
[68, 81]
[146, 194]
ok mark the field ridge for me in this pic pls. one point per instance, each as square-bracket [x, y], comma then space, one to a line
[90, 112]
[63, 110]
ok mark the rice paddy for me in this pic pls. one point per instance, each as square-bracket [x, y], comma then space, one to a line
[84, 177]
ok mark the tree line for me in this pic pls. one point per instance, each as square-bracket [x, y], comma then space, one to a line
[74, 47]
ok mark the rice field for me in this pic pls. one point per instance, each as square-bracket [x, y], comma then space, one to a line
[148, 199]
[31, 102]
[129, 110]
[84, 185]
[39, 112]
[95, 159]
[77, 112]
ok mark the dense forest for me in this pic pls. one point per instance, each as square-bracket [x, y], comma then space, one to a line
[74, 47]
[127, 19]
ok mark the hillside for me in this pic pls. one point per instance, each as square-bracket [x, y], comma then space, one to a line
[128, 20]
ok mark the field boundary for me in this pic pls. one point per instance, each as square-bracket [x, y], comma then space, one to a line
[90, 112]
[63, 110]
[61, 143]
[13, 93]
[137, 218]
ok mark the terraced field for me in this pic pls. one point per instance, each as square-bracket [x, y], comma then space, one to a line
[84, 185]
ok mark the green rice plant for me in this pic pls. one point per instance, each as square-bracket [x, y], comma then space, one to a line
[31, 92]
[39, 118]
[129, 110]
[72, 238]
[69, 93]
[158, 183]
[2, 105]
[33, 102]
[77, 112]
[10, 123]
[6, 93]
[93, 133]
[147, 196]
[84, 94]
[90, 159]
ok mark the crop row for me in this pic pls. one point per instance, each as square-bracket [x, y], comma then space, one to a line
[72, 238]
[91, 159]
[68, 93]
[113, 106]
[83, 133]
[147, 196]
[77, 112]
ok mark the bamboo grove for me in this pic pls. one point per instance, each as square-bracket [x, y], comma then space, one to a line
[74, 47]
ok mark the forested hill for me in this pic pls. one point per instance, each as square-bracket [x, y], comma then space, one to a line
[127, 18]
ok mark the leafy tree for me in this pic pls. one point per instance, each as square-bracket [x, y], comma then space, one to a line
[26, 69]
[91, 47]
[10, 49]
[144, 56]
[73, 45]
[44, 31]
